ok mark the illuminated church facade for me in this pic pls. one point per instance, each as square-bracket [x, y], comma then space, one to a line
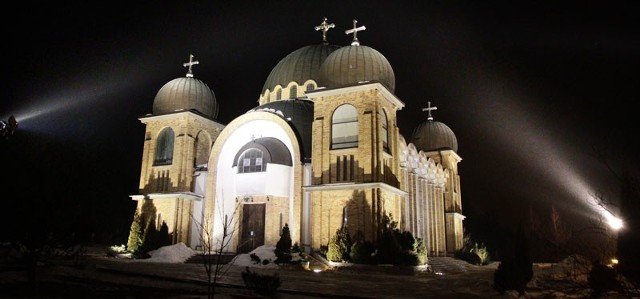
[319, 152]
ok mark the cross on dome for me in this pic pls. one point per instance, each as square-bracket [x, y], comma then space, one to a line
[324, 26]
[190, 64]
[355, 30]
[429, 109]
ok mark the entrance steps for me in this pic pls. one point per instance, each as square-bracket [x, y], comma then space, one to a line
[198, 258]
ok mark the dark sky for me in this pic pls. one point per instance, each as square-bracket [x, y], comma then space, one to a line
[530, 88]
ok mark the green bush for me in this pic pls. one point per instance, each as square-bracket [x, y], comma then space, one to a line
[399, 248]
[339, 247]
[473, 253]
[135, 234]
[362, 252]
[283, 247]
[421, 252]
[334, 253]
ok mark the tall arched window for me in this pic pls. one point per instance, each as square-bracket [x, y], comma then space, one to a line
[344, 127]
[251, 161]
[385, 132]
[293, 92]
[164, 147]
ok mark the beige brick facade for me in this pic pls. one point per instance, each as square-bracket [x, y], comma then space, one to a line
[354, 186]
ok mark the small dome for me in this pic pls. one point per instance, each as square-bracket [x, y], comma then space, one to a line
[352, 64]
[299, 66]
[186, 93]
[299, 113]
[434, 135]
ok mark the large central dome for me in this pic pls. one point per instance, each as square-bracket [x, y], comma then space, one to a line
[352, 64]
[299, 66]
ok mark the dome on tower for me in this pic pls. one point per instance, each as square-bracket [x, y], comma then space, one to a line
[433, 135]
[186, 93]
[355, 63]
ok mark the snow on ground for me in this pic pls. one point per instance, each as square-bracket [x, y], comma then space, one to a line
[264, 252]
[179, 253]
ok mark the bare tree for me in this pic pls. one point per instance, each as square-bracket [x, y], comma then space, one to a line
[627, 203]
[214, 247]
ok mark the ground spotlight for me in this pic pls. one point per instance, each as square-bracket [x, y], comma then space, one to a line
[7, 128]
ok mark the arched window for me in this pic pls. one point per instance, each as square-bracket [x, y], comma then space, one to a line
[310, 87]
[385, 132]
[293, 92]
[251, 161]
[164, 147]
[344, 127]
[278, 94]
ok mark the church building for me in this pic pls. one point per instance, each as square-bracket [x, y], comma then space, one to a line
[320, 151]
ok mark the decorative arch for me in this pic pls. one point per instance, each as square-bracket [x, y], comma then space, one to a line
[257, 154]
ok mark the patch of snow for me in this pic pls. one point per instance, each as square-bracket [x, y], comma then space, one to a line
[177, 253]
[264, 252]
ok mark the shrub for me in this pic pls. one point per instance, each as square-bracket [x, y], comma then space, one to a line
[473, 253]
[283, 247]
[135, 234]
[362, 252]
[339, 247]
[602, 279]
[421, 252]
[263, 284]
[334, 253]
[509, 276]
[517, 270]
[482, 253]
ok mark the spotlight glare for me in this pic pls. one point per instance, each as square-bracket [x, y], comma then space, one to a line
[613, 221]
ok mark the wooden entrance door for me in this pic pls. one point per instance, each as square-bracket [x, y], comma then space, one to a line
[252, 230]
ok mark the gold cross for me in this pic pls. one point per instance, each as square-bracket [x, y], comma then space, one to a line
[429, 108]
[324, 26]
[190, 64]
[355, 30]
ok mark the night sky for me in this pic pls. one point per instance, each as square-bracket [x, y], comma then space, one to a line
[531, 89]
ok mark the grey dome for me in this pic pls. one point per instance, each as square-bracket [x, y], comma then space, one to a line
[352, 64]
[186, 93]
[434, 135]
[299, 113]
[299, 66]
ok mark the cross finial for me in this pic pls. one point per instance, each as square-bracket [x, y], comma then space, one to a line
[429, 109]
[355, 30]
[324, 26]
[190, 64]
